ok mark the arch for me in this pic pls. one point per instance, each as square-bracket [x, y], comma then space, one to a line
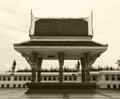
[94, 78]
[24, 85]
[118, 78]
[108, 86]
[7, 86]
[45, 78]
[20, 78]
[15, 78]
[75, 78]
[2, 86]
[106, 77]
[54, 78]
[8, 78]
[29, 78]
[14, 86]
[114, 86]
[113, 78]
[49, 78]
[4, 79]
[24, 78]
[70, 78]
[19, 85]
[119, 86]
[41, 78]
[65, 78]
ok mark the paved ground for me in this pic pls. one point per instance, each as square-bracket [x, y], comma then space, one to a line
[15, 93]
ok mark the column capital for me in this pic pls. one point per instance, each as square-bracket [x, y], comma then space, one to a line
[86, 53]
[34, 54]
[93, 58]
[61, 57]
[61, 54]
[28, 58]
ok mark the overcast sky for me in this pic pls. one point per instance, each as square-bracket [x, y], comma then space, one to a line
[15, 22]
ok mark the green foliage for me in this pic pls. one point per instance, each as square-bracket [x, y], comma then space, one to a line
[99, 68]
[67, 69]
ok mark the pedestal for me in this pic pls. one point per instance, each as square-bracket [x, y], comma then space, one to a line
[61, 88]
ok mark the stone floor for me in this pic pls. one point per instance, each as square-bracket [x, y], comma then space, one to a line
[18, 93]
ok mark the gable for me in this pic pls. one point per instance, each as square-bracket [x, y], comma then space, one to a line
[61, 27]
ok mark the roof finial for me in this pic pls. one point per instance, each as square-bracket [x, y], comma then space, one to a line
[31, 13]
[30, 22]
[92, 21]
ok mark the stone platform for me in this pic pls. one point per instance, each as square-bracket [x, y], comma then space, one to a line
[61, 88]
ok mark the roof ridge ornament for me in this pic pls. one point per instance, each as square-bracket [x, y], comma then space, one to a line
[32, 23]
[90, 24]
[92, 21]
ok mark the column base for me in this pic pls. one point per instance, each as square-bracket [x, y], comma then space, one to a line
[61, 88]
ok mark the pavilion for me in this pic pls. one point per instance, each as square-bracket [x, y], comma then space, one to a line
[62, 39]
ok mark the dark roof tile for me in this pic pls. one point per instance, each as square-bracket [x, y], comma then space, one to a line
[61, 27]
[60, 43]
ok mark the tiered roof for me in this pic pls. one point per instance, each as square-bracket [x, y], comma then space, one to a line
[48, 36]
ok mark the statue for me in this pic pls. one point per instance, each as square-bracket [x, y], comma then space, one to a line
[78, 66]
[118, 63]
[13, 66]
